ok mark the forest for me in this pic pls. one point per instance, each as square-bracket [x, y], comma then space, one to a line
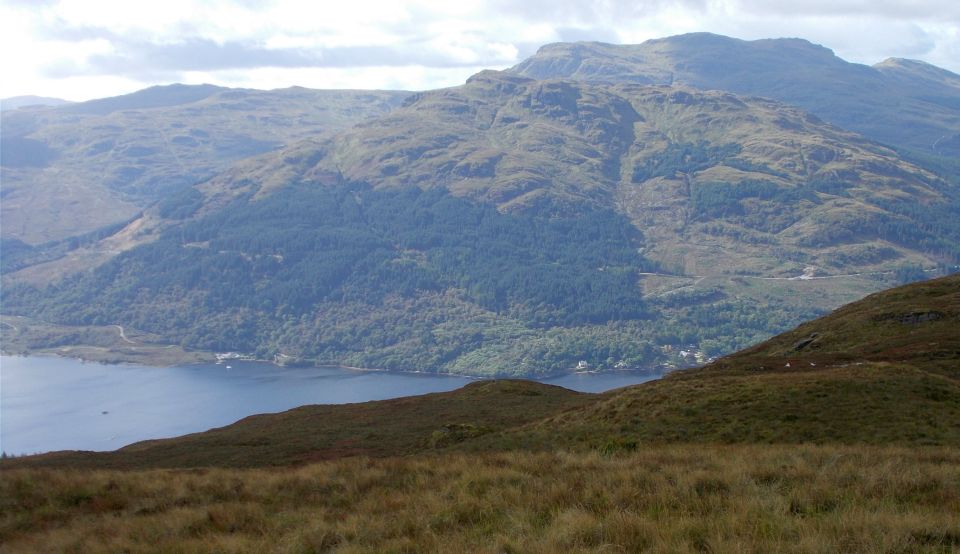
[253, 276]
[419, 279]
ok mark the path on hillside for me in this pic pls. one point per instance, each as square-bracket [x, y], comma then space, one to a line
[123, 335]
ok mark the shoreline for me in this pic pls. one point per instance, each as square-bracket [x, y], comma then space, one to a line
[249, 375]
[659, 372]
[113, 346]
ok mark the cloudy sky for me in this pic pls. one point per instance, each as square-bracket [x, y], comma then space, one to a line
[81, 49]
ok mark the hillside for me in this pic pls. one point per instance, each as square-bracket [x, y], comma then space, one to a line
[520, 227]
[382, 428]
[884, 371]
[903, 103]
[73, 169]
[513, 466]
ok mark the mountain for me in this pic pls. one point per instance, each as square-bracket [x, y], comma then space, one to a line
[74, 169]
[29, 101]
[511, 226]
[884, 370]
[152, 97]
[903, 103]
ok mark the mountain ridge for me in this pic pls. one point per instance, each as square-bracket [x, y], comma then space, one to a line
[875, 101]
[77, 168]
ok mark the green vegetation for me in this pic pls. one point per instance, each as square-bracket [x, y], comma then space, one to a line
[515, 466]
[938, 234]
[684, 158]
[881, 371]
[103, 344]
[510, 227]
[402, 426]
[18, 255]
[402, 280]
[76, 168]
[513, 227]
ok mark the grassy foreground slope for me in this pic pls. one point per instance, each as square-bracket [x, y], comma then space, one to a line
[675, 499]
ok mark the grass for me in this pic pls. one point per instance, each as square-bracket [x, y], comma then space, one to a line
[96, 343]
[870, 404]
[397, 427]
[884, 370]
[855, 447]
[662, 499]
[871, 373]
[881, 105]
[570, 153]
[915, 324]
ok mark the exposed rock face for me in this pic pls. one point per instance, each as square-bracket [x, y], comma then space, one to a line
[919, 317]
[804, 343]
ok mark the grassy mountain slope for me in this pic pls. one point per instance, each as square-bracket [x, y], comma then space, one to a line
[72, 169]
[904, 103]
[713, 179]
[881, 371]
[313, 433]
[512, 226]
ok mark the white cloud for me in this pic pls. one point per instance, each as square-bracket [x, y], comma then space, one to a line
[80, 49]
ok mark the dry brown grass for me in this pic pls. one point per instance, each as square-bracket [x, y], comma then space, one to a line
[664, 499]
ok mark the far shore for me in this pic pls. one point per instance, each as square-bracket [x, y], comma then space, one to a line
[115, 357]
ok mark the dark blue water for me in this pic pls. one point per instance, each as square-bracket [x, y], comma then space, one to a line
[49, 403]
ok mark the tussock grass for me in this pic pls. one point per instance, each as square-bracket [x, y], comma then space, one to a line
[664, 499]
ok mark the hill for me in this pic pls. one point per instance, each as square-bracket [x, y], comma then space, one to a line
[518, 227]
[904, 103]
[884, 371]
[73, 169]
[382, 428]
[547, 470]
